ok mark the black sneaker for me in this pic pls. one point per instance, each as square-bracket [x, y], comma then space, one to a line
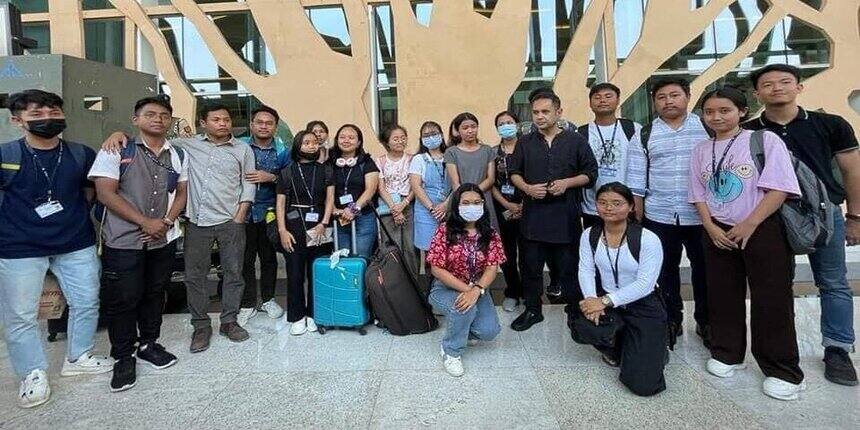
[553, 290]
[526, 320]
[124, 374]
[838, 367]
[156, 356]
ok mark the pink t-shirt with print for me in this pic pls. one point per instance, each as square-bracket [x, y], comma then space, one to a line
[741, 188]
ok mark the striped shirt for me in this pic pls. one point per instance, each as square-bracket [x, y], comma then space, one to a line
[669, 152]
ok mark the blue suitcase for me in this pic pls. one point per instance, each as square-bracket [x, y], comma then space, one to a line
[339, 295]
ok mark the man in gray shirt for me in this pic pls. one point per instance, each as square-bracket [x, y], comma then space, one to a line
[219, 197]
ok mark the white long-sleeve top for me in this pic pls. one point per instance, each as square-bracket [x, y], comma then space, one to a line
[635, 280]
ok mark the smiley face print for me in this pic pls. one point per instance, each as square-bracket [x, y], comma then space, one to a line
[729, 184]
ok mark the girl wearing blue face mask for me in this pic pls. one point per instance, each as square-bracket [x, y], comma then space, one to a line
[465, 254]
[509, 208]
[428, 181]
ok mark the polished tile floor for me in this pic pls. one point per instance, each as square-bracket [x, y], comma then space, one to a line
[536, 379]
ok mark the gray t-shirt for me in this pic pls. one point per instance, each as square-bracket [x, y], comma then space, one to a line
[471, 166]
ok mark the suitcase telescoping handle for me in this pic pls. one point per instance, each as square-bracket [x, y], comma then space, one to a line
[354, 249]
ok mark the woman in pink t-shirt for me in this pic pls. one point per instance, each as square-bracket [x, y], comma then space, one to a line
[746, 245]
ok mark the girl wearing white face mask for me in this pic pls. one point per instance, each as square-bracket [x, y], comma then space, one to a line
[428, 181]
[465, 255]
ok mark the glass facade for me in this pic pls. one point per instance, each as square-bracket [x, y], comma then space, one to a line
[41, 33]
[104, 41]
[552, 26]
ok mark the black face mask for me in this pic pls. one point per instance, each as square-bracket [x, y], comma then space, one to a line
[310, 156]
[46, 128]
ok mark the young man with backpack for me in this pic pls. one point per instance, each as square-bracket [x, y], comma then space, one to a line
[143, 189]
[44, 224]
[661, 161]
[815, 139]
[609, 138]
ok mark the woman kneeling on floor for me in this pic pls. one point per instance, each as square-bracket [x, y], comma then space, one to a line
[465, 255]
[627, 259]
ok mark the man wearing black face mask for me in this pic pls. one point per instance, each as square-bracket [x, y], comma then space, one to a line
[44, 224]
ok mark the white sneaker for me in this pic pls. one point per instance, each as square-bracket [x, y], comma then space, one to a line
[312, 325]
[87, 364]
[723, 370]
[272, 309]
[299, 327]
[782, 390]
[245, 314]
[510, 304]
[453, 365]
[34, 390]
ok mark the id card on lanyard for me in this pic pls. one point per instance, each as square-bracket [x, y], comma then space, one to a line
[50, 206]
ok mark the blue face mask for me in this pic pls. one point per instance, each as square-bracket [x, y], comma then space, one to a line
[507, 131]
[432, 142]
[471, 213]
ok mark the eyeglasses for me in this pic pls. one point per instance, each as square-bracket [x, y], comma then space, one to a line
[614, 204]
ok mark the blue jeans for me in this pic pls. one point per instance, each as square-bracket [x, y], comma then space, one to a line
[480, 322]
[830, 273]
[21, 281]
[366, 232]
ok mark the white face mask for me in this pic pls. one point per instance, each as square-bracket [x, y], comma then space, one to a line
[471, 213]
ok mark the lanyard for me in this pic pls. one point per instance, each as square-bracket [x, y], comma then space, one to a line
[49, 178]
[305, 184]
[605, 156]
[503, 161]
[717, 168]
[346, 180]
[155, 160]
[471, 247]
[614, 265]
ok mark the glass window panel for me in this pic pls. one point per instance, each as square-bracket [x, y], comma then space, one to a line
[628, 16]
[96, 4]
[31, 6]
[552, 25]
[104, 41]
[330, 23]
[41, 33]
[387, 106]
[195, 59]
[485, 7]
[804, 44]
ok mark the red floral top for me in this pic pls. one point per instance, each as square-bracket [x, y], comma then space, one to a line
[460, 257]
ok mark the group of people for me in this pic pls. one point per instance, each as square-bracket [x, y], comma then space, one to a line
[607, 207]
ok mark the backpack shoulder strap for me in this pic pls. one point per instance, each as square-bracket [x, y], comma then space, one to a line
[10, 157]
[634, 239]
[126, 156]
[628, 126]
[757, 149]
[644, 135]
[594, 236]
[583, 130]
[79, 153]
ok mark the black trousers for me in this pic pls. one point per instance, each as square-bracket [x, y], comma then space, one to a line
[674, 238]
[510, 232]
[559, 255]
[767, 266]
[641, 347]
[133, 283]
[300, 270]
[257, 245]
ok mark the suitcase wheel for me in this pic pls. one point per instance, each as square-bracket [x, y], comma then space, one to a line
[362, 331]
[321, 329]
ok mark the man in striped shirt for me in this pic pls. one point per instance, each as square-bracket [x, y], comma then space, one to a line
[660, 159]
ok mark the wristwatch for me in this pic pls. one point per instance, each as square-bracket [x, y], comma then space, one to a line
[167, 221]
[852, 217]
[606, 301]
[483, 290]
